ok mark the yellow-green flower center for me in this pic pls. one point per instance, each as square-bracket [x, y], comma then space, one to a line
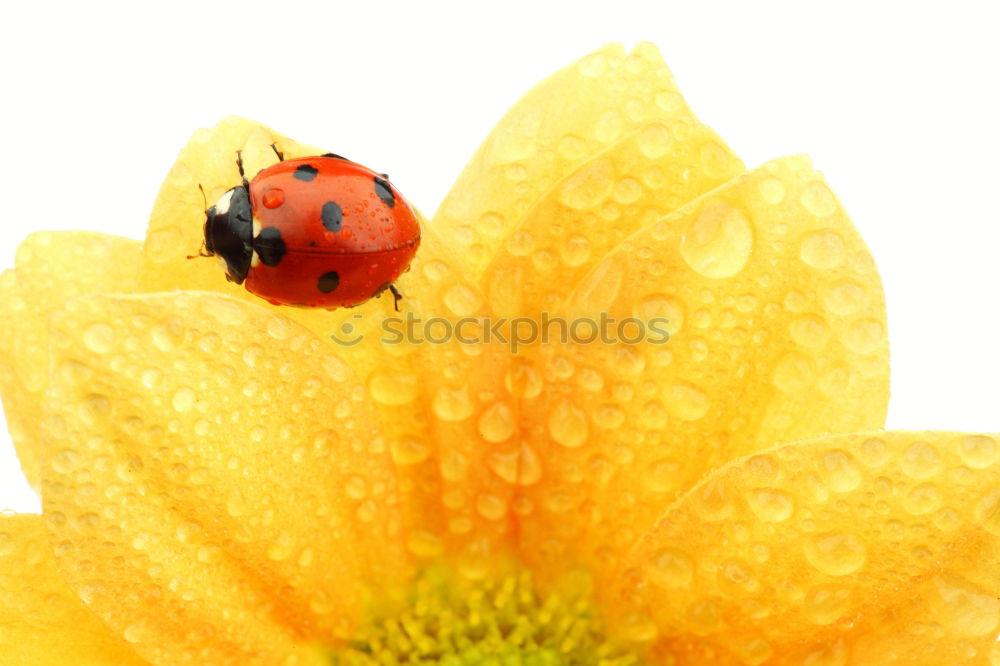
[504, 622]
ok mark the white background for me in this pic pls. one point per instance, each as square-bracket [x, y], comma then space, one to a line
[896, 102]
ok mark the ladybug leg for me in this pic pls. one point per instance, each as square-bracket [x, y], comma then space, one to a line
[397, 297]
[281, 155]
[239, 165]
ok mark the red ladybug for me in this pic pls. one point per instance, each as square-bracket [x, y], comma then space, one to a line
[313, 232]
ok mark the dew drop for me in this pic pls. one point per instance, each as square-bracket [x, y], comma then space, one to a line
[822, 249]
[409, 450]
[921, 461]
[687, 403]
[393, 389]
[660, 307]
[987, 512]
[968, 609]
[865, 336]
[712, 501]
[663, 475]
[590, 185]
[704, 617]
[497, 423]
[520, 243]
[627, 190]
[462, 300]
[99, 338]
[719, 241]
[979, 451]
[522, 380]
[874, 453]
[135, 632]
[840, 470]
[474, 560]
[825, 604]
[576, 250]
[568, 425]
[671, 569]
[754, 651]
[818, 199]
[770, 505]
[772, 190]
[453, 404]
[167, 335]
[809, 330]
[184, 400]
[655, 141]
[491, 507]
[844, 297]
[793, 373]
[836, 553]
[572, 147]
[922, 499]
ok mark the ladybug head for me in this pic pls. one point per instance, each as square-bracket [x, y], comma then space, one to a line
[229, 232]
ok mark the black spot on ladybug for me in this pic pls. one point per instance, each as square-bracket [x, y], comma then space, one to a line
[306, 172]
[384, 192]
[335, 156]
[382, 287]
[328, 282]
[332, 215]
[270, 246]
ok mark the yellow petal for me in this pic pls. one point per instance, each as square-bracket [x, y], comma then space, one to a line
[451, 434]
[216, 478]
[51, 268]
[881, 548]
[431, 397]
[41, 620]
[777, 333]
[604, 146]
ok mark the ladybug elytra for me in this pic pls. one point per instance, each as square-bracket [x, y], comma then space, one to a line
[313, 232]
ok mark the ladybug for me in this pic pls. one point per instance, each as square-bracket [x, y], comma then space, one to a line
[313, 232]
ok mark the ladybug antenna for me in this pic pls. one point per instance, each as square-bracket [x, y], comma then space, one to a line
[204, 201]
[201, 251]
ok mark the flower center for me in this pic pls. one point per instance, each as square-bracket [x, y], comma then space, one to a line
[502, 622]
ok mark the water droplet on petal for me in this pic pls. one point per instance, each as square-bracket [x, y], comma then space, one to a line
[822, 249]
[841, 471]
[921, 461]
[836, 553]
[818, 199]
[825, 604]
[671, 569]
[99, 338]
[568, 425]
[770, 505]
[655, 141]
[393, 389]
[453, 404]
[497, 423]
[588, 186]
[718, 243]
[979, 451]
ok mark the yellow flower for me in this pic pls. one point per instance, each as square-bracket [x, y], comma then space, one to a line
[223, 483]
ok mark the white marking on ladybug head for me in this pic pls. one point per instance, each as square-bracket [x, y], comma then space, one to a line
[257, 226]
[222, 205]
